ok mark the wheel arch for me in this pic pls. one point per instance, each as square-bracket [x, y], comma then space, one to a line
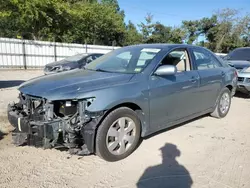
[133, 106]
[230, 87]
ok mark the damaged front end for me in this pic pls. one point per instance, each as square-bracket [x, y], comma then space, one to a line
[54, 124]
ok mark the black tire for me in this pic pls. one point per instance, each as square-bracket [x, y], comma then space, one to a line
[101, 147]
[217, 113]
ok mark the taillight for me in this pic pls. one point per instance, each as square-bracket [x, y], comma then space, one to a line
[235, 73]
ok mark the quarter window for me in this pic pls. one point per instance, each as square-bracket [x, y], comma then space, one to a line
[205, 60]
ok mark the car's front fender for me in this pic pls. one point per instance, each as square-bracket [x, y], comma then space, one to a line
[128, 93]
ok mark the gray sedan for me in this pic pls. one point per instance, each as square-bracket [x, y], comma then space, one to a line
[121, 97]
[240, 59]
[244, 81]
[69, 63]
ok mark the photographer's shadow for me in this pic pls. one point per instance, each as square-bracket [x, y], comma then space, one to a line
[169, 174]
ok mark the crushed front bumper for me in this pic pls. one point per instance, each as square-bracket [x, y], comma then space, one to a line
[46, 134]
[33, 133]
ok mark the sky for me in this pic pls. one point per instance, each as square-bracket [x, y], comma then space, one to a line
[172, 12]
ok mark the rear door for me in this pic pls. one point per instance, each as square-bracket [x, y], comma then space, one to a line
[211, 74]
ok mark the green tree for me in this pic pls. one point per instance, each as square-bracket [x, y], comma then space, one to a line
[115, 4]
[192, 30]
[177, 35]
[95, 23]
[160, 33]
[33, 19]
[62, 20]
[225, 30]
[147, 28]
[132, 36]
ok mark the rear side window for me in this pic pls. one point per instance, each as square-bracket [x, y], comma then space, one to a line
[205, 59]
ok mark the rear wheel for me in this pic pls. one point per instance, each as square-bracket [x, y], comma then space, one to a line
[223, 104]
[118, 134]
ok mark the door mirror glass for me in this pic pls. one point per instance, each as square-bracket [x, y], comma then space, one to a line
[165, 70]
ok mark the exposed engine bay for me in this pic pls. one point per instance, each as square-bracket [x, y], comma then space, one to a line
[54, 124]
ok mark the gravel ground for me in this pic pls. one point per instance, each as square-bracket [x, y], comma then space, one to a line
[205, 152]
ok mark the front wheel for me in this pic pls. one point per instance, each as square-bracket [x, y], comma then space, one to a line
[118, 134]
[223, 104]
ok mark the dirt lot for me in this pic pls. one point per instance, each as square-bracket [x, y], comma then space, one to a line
[206, 152]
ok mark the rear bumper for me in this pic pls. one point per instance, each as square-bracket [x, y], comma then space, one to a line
[243, 87]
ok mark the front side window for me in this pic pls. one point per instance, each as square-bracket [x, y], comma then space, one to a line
[205, 60]
[125, 60]
[178, 58]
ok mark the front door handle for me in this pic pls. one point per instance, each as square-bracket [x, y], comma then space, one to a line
[223, 74]
[193, 79]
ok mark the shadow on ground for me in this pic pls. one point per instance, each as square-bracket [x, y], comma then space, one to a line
[10, 83]
[2, 135]
[168, 174]
[175, 126]
[242, 95]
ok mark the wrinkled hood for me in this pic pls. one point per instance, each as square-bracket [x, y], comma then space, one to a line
[71, 84]
[239, 64]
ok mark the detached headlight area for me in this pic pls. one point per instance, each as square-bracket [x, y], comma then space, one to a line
[59, 68]
[63, 123]
[64, 68]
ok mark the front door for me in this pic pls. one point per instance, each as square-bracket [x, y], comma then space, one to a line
[173, 97]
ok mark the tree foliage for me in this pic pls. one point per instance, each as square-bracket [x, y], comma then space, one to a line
[132, 36]
[102, 22]
[95, 23]
[67, 21]
[34, 19]
[155, 32]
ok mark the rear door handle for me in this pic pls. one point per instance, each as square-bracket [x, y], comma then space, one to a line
[223, 74]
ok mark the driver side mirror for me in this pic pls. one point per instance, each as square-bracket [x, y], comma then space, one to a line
[165, 70]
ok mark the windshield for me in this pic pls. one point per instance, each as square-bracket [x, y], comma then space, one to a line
[76, 57]
[240, 54]
[124, 60]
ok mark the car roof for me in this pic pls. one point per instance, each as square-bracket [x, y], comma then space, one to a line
[89, 53]
[94, 53]
[165, 45]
